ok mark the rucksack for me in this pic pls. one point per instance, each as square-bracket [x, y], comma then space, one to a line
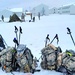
[19, 59]
[68, 60]
[49, 57]
[63, 70]
[7, 58]
[24, 58]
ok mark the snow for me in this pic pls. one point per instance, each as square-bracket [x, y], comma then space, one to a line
[16, 9]
[34, 34]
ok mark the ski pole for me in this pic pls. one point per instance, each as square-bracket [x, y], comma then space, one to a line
[40, 57]
[69, 32]
[52, 40]
[5, 42]
[47, 39]
[12, 73]
[16, 30]
[15, 41]
[56, 36]
[20, 32]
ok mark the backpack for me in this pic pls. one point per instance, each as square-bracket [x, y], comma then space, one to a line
[68, 60]
[19, 59]
[7, 58]
[49, 57]
[24, 58]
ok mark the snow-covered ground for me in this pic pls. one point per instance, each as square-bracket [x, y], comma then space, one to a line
[34, 34]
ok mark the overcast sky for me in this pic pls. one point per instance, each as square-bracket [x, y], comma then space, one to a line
[32, 3]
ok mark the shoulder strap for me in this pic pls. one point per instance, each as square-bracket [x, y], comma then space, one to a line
[52, 46]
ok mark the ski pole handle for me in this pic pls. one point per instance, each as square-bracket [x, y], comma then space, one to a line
[69, 31]
[16, 29]
[20, 30]
[57, 38]
[15, 41]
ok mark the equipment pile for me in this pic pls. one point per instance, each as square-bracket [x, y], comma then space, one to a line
[20, 57]
[54, 59]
